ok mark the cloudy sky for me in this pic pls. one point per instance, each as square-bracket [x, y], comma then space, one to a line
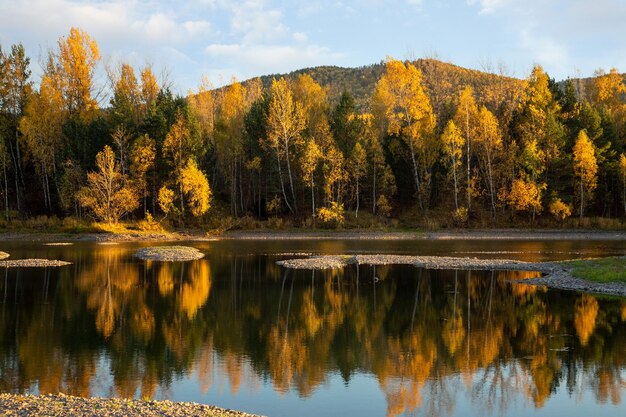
[222, 38]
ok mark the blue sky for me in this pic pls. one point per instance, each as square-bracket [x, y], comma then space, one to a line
[222, 39]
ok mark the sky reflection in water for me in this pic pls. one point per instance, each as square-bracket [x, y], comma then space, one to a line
[238, 331]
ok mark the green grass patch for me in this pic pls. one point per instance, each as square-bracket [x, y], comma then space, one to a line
[600, 270]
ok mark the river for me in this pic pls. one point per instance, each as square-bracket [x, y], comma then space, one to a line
[238, 331]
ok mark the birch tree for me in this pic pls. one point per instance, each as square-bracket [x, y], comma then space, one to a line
[285, 123]
[453, 142]
[585, 168]
[408, 111]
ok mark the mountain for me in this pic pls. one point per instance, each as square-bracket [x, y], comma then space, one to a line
[442, 80]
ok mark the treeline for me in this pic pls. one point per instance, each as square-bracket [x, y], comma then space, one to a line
[428, 138]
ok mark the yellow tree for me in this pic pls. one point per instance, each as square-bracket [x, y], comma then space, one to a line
[310, 161]
[489, 143]
[525, 196]
[540, 119]
[408, 112]
[560, 210]
[107, 193]
[142, 157]
[453, 142]
[77, 59]
[313, 99]
[285, 123]
[41, 128]
[125, 104]
[585, 167]
[334, 173]
[229, 138]
[202, 106]
[383, 180]
[178, 148]
[466, 118]
[149, 90]
[196, 187]
[358, 168]
[609, 89]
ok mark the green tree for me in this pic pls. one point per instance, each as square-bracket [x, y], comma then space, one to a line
[15, 91]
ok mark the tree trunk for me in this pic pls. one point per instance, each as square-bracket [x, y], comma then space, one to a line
[456, 192]
[293, 193]
[469, 179]
[416, 174]
[282, 183]
[582, 196]
[491, 190]
[312, 196]
[356, 214]
[17, 185]
[6, 186]
[624, 193]
[374, 191]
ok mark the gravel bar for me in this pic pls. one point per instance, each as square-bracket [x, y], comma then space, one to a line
[428, 262]
[12, 405]
[556, 275]
[169, 253]
[33, 263]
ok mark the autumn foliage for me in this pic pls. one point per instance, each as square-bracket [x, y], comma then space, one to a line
[408, 139]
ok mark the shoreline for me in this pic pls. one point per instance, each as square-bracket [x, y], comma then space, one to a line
[14, 405]
[556, 275]
[191, 236]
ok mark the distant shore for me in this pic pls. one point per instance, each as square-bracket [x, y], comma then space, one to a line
[14, 405]
[301, 234]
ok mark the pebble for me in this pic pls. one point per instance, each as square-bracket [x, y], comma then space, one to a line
[33, 263]
[60, 405]
[169, 253]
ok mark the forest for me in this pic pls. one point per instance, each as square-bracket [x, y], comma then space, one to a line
[401, 143]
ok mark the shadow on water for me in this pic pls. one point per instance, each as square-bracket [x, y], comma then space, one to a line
[236, 330]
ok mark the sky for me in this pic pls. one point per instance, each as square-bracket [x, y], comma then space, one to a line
[222, 39]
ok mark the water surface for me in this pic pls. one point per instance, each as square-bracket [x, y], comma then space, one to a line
[237, 331]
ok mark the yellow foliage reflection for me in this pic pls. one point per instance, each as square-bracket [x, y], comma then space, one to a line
[586, 311]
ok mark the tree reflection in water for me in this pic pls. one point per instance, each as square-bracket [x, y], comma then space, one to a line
[427, 337]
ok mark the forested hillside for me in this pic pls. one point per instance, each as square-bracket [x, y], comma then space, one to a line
[439, 77]
[411, 141]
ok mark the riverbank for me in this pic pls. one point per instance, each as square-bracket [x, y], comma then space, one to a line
[302, 234]
[13, 405]
[558, 275]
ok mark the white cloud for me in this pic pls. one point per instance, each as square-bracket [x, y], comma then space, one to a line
[247, 38]
[545, 50]
[264, 59]
[417, 3]
[300, 37]
[253, 20]
[488, 6]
